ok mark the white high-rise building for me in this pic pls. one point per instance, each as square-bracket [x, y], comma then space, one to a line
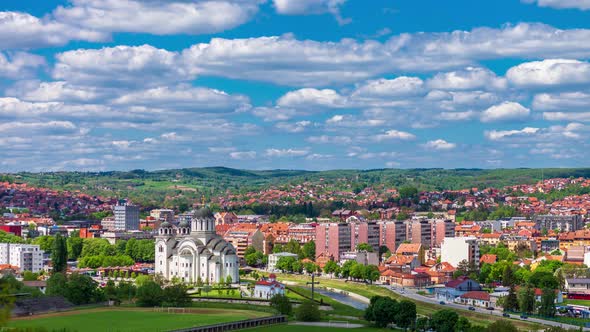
[194, 251]
[126, 217]
[457, 249]
[27, 257]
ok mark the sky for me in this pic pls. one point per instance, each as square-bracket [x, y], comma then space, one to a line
[91, 85]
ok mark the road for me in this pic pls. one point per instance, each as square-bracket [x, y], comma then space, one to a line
[411, 294]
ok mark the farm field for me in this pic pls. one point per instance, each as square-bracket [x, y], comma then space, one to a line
[131, 319]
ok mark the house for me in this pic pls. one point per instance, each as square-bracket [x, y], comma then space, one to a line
[274, 258]
[475, 298]
[39, 284]
[413, 279]
[488, 259]
[402, 263]
[267, 288]
[577, 285]
[441, 273]
[457, 287]
[411, 249]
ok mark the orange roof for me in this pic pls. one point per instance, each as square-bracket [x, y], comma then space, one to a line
[409, 247]
[488, 258]
[400, 259]
[477, 295]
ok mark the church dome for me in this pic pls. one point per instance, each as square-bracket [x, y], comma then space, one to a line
[165, 224]
[203, 213]
[184, 223]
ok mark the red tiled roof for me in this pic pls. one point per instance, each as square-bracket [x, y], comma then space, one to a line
[477, 295]
[488, 258]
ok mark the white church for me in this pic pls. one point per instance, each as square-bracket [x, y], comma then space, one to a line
[194, 250]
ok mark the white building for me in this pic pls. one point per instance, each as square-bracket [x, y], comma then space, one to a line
[27, 257]
[267, 288]
[456, 249]
[126, 217]
[190, 253]
[274, 258]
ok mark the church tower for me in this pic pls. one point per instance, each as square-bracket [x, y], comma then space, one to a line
[203, 225]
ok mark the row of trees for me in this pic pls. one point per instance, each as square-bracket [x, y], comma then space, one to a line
[383, 310]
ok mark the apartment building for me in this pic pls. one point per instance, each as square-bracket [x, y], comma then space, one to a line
[27, 257]
[392, 234]
[126, 216]
[333, 239]
[457, 249]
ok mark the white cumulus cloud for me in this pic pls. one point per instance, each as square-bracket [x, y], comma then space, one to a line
[504, 112]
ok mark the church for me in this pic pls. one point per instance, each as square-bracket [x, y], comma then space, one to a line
[193, 250]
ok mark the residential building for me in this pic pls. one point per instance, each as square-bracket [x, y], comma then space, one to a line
[563, 223]
[421, 231]
[412, 249]
[333, 238]
[412, 279]
[302, 233]
[443, 228]
[361, 257]
[108, 223]
[392, 234]
[580, 286]
[115, 236]
[225, 218]
[161, 215]
[475, 298]
[194, 251]
[126, 216]
[267, 288]
[27, 257]
[364, 232]
[455, 288]
[457, 249]
[274, 258]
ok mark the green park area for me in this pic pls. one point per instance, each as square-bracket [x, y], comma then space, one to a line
[306, 328]
[131, 319]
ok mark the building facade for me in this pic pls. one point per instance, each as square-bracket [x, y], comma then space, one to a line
[392, 234]
[27, 257]
[457, 249]
[333, 239]
[193, 252]
[563, 223]
[126, 217]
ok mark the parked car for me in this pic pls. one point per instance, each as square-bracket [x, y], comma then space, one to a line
[490, 308]
[471, 308]
[523, 317]
[442, 302]
[505, 315]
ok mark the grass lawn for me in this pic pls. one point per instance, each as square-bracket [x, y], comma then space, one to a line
[423, 308]
[577, 302]
[302, 328]
[129, 319]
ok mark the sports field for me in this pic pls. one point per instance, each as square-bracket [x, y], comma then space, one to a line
[132, 319]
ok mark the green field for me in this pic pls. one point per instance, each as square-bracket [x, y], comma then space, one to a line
[130, 319]
[302, 328]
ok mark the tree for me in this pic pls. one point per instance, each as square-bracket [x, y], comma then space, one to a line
[511, 301]
[406, 314]
[308, 311]
[526, 299]
[463, 325]
[59, 256]
[297, 266]
[176, 296]
[547, 306]
[254, 259]
[371, 273]
[422, 324]
[310, 267]
[501, 325]
[82, 289]
[282, 304]
[381, 311]
[74, 245]
[150, 294]
[293, 247]
[364, 247]
[408, 192]
[331, 267]
[308, 250]
[507, 276]
[285, 263]
[444, 320]
[110, 292]
[30, 276]
[57, 284]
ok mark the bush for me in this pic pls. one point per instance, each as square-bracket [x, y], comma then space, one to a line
[308, 311]
[150, 294]
[282, 304]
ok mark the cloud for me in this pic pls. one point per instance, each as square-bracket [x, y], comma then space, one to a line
[307, 7]
[158, 17]
[440, 145]
[296, 127]
[329, 139]
[311, 97]
[457, 116]
[504, 112]
[552, 72]
[19, 65]
[470, 78]
[23, 31]
[562, 4]
[142, 65]
[274, 113]
[185, 97]
[286, 152]
[565, 116]
[33, 128]
[497, 135]
[383, 88]
[54, 91]
[242, 155]
[565, 101]
[395, 135]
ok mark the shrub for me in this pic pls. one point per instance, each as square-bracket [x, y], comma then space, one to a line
[308, 311]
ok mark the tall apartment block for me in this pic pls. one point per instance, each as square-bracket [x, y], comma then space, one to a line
[333, 238]
[27, 257]
[126, 217]
[364, 232]
[392, 234]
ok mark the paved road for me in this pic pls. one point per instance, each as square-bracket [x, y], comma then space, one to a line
[343, 298]
[411, 293]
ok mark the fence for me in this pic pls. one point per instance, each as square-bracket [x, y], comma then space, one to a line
[242, 324]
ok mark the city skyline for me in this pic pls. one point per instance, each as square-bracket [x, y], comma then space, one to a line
[293, 84]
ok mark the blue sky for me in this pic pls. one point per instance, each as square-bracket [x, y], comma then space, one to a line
[299, 84]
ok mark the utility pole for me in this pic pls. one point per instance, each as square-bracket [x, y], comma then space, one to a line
[312, 283]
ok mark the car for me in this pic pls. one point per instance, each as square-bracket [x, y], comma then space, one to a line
[505, 315]
[490, 308]
[523, 317]
[442, 302]
[471, 308]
